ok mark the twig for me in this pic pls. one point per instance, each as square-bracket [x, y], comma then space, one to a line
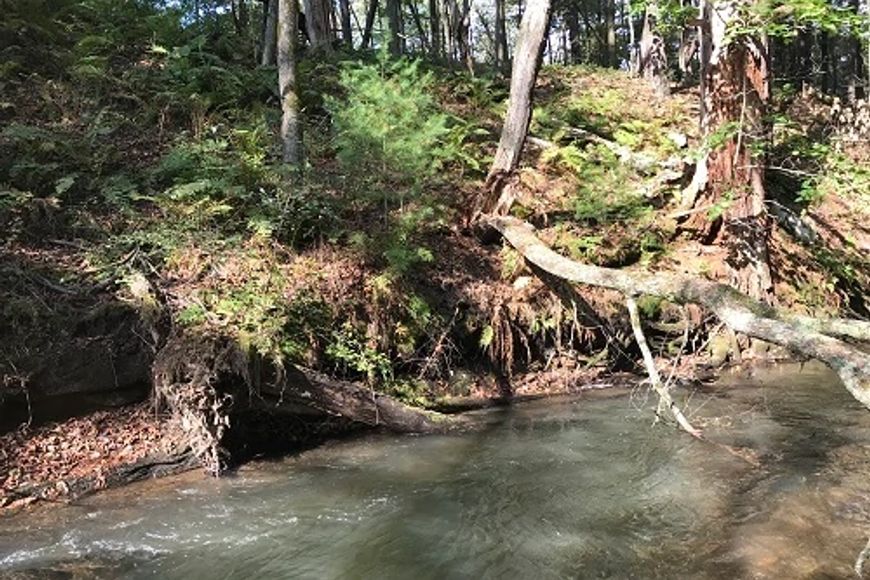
[655, 380]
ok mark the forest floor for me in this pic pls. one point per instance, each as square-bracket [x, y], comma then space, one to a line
[399, 294]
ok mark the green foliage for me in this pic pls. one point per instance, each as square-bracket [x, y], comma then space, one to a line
[349, 351]
[388, 125]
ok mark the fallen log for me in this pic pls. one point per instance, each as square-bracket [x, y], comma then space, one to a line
[359, 404]
[739, 312]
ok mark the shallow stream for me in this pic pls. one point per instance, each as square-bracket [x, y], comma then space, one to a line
[568, 488]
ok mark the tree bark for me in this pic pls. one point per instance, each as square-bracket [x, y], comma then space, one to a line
[394, 18]
[317, 13]
[346, 28]
[371, 14]
[502, 61]
[435, 29]
[739, 312]
[291, 126]
[653, 58]
[270, 30]
[730, 177]
[360, 404]
[527, 60]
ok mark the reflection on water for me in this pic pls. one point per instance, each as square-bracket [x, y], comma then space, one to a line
[585, 488]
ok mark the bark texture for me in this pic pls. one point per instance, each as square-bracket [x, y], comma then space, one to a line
[317, 21]
[653, 58]
[527, 60]
[729, 181]
[270, 33]
[738, 311]
[291, 126]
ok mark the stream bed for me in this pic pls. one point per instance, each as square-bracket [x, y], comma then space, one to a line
[585, 487]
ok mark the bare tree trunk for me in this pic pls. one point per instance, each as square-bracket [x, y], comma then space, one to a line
[729, 180]
[418, 22]
[270, 28]
[653, 58]
[291, 126]
[610, 21]
[394, 16]
[633, 57]
[346, 29]
[572, 21]
[371, 13]
[317, 16]
[502, 61]
[435, 29]
[527, 60]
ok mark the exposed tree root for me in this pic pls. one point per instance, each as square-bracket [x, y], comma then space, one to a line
[741, 313]
[209, 381]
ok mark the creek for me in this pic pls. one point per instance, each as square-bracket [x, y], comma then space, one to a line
[582, 487]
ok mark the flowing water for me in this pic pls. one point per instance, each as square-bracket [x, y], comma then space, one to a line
[579, 488]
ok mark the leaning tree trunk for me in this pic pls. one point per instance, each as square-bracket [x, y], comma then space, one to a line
[317, 17]
[291, 126]
[727, 191]
[816, 338]
[527, 60]
[653, 58]
[270, 28]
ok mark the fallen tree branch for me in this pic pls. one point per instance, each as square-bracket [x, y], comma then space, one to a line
[739, 312]
[655, 380]
[360, 404]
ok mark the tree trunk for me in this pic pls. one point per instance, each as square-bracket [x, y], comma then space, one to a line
[346, 29]
[435, 29]
[317, 13]
[810, 337]
[653, 58]
[527, 60]
[729, 180]
[291, 126]
[502, 61]
[394, 17]
[418, 22]
[610, 22]
[572, 21]
[371, 14]
[270, 27]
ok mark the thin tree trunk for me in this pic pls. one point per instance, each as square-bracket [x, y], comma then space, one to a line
[572, 21]
[610, 18]
[435, 29]
[371, 13]
[730, 178]
[346, 28]
[501, 48]
[418, 22]
[291, 126]
[270, 28]
[527, 60]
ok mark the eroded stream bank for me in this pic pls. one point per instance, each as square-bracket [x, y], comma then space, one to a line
[580, 487]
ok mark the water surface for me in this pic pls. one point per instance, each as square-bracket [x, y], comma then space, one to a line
[579, 488]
